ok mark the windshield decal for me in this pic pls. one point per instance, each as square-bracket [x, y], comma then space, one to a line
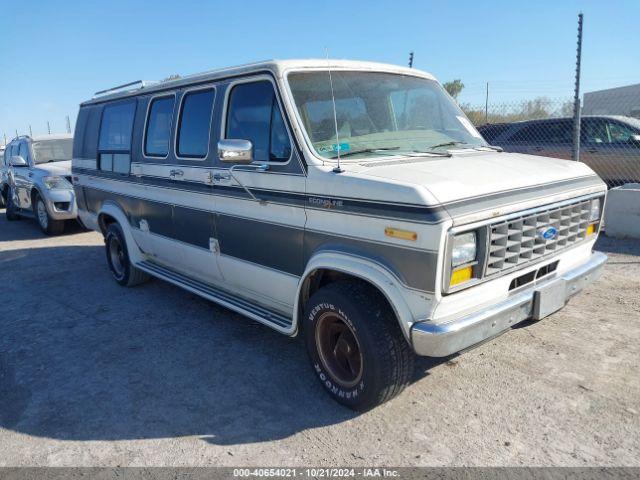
[343, 147]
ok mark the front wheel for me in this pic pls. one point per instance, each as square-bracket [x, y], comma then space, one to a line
[47, 224]
[355, 344]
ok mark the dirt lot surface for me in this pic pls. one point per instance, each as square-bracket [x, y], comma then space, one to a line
[94, 374]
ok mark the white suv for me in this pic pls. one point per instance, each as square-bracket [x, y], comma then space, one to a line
[36, 181]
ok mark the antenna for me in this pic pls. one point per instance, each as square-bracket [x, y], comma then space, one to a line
[335, 115]
[411, 59]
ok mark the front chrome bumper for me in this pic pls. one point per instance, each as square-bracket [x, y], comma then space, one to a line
[440, 340]
[66, 197]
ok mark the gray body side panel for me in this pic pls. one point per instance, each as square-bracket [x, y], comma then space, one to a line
[278, 247]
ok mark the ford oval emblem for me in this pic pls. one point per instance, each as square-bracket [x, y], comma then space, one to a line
[547, 233]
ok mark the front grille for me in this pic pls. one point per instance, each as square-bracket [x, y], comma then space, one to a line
[516, 242]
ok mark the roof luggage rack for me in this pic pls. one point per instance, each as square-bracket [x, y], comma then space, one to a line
[139, 83]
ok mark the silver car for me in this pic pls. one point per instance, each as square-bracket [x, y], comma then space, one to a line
[610, 144]
[36, 181]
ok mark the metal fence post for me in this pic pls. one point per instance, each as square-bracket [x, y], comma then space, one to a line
[576, 96]
[486, 106]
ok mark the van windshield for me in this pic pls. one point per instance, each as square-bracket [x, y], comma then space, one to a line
[52, 150]
[379, 113]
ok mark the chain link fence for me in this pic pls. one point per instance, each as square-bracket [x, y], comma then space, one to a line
[610, 130]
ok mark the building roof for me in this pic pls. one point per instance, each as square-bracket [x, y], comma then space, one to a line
[277, 67]
[616, 90]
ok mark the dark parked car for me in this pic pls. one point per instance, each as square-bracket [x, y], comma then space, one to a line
[610, 145]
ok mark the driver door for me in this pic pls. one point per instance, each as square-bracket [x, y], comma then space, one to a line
[261, 238]
[22, 178]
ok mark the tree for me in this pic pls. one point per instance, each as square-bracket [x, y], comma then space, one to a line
[567, 109]
[454, 87]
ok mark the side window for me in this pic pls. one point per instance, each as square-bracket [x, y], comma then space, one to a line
[156, 143]
[594, 130]
[8, 153]
[24, 151]
[532, 133]
[620, 133]
[114, 144]
[560, 131]
[194, 124]
[253, 114]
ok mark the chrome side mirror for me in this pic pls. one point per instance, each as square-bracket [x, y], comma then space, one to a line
[235, 151]
[18, 161]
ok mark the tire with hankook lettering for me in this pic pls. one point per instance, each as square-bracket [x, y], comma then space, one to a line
[355, 344]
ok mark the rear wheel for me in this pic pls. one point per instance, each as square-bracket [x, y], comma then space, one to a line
[11, 211]
[118, 258]
[47, 224]
[356, 346]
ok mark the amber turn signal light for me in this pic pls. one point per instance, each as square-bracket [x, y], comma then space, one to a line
[461, 275]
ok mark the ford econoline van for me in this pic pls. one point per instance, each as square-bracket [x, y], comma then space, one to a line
[350, 202]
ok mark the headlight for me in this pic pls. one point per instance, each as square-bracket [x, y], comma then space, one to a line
[594, 214]
[464, 249]
[56, 183]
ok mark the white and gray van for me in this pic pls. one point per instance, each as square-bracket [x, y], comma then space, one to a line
[351, 202]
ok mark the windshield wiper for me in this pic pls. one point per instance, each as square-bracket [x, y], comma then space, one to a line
[365, 150]
[491, 147]
[448, 144]
[431, 152]
[453, 144]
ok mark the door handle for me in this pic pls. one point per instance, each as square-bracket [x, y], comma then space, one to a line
[219, 177]
[592, 150]
[538, 148]
[176, 173]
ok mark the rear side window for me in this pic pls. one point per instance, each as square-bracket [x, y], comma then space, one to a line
[491, 132]
[254, 114]
[8, 153]
[24, 151]
[114, 145]
[532, 133]
[158, 131]
[194, 124]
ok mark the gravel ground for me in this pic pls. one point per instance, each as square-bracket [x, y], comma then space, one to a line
[93, 374]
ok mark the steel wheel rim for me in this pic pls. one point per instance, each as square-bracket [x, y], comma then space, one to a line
[42, 214]
[116, 255]
[339, 349]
